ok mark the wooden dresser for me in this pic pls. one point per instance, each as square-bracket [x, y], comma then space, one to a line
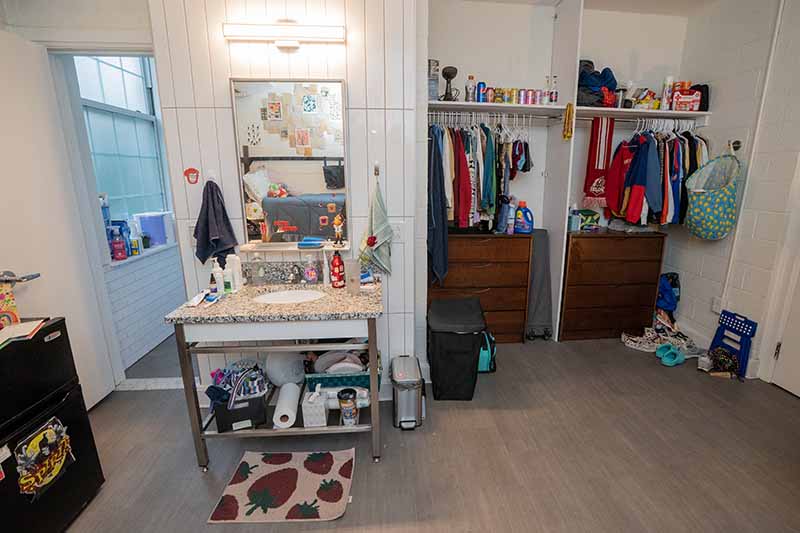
[495, 268]
[611, 284]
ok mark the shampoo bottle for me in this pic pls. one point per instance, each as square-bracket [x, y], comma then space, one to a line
[510, 219]
[236, 266]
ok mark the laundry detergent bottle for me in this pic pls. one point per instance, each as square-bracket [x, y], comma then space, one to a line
[523, 221]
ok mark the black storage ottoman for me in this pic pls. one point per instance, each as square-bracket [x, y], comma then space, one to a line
[454, 341]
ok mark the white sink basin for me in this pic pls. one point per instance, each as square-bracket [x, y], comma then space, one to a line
[289, 297]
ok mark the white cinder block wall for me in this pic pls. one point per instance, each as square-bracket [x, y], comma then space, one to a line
[379, 65]
[141, 291]
[727, 46]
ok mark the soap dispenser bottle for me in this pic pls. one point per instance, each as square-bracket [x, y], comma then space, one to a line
[337, 271]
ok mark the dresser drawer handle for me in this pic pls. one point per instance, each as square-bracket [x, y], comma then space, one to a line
[481, 291]
[483, 265]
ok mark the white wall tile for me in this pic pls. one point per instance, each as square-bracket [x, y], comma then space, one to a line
[209, 151]
[218, 52]
[409, 163]
[376, 149]
[259, 59]
[395, 162]
[161, 53]
[190, 152]
[356, 54]
[172, 141]
[410, 65]
[374, 39]
[229, 165]
[239, 59]
[359, 167]
[393, 55]
[197, 30]
[174, 15]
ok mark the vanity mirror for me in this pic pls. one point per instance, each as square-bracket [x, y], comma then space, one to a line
[290, 137]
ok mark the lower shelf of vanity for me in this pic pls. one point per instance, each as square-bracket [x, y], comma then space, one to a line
[267, 430]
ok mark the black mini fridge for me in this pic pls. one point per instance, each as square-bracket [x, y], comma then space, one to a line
[49, 465]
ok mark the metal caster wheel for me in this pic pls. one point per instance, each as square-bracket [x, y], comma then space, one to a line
[376, 460]
[204, 469]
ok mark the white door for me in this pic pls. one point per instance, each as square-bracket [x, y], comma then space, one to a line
[787, 368]
[41, 226]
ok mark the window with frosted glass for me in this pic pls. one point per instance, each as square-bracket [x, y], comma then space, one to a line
[123, 134]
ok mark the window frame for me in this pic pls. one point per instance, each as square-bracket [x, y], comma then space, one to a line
[145, 63]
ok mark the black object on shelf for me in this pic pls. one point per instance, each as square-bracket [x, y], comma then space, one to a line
[454, 343]
[47, 450]
[246, 414]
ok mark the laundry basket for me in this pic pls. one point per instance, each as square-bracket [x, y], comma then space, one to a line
[712, 198]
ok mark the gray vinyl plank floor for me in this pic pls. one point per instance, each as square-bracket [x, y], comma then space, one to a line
[160, 362]
[581, 436]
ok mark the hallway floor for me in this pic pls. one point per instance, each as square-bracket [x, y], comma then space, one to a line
[160, 362]
[580, 436]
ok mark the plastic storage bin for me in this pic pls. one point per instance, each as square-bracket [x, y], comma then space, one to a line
[408, 392]
[455, 330]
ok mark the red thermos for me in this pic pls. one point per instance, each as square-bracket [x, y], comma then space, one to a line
[337, 271]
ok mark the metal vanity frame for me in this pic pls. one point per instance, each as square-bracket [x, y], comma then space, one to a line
[219, 338]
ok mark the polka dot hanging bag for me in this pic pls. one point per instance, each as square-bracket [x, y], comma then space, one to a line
[712, 198]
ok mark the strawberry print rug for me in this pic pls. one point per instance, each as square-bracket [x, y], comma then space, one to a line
[287, 487]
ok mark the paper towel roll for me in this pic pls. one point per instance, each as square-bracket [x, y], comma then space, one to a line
[286, 408]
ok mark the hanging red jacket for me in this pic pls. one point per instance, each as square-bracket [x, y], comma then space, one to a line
[615, 180]
[462, 186]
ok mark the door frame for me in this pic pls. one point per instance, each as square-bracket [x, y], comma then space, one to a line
[75, 136]
[783, 284]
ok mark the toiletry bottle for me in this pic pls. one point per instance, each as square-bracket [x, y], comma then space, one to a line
[469, 92]
[236, 267]
[118, 251]
[554, 90]
[310, 273]
[227, 278]
[337, 271]
[523, 222]
[510, 219]
[212, 285]
[546, 92]
[219, 277]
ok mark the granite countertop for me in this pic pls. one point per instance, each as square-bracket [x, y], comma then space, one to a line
[240, 307]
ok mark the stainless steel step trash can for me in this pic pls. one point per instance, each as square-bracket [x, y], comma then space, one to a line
[408, 392]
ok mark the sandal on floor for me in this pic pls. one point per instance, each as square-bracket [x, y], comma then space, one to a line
[663, 349]
[672, 356]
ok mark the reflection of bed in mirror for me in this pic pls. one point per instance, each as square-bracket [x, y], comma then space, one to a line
[291, 213]
[291, 148]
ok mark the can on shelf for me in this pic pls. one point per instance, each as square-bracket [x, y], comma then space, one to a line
[523, 96]
[508, 96]
[489, 95]
[499, 95]
[530, 96]
[481, 91]
[537, 97]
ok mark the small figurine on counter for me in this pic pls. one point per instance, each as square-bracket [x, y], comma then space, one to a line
[338, 230]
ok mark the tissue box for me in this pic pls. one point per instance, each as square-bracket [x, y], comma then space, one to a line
[315, 413]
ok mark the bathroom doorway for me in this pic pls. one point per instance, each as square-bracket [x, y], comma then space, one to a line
[121, 136]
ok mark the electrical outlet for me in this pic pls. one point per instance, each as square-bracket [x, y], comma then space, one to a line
[397, 232]
[716, 305]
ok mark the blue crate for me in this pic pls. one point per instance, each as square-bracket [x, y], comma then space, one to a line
[735, 334]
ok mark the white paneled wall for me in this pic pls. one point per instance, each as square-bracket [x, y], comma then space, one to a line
[141, 291]
[727, 46]
[379, 64]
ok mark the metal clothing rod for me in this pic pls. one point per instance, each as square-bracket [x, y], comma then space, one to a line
[462, 118]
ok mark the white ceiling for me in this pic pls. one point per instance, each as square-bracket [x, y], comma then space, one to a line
[661, 7]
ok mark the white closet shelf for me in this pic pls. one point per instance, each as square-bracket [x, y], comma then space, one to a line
[484, 107]
[613, 112]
